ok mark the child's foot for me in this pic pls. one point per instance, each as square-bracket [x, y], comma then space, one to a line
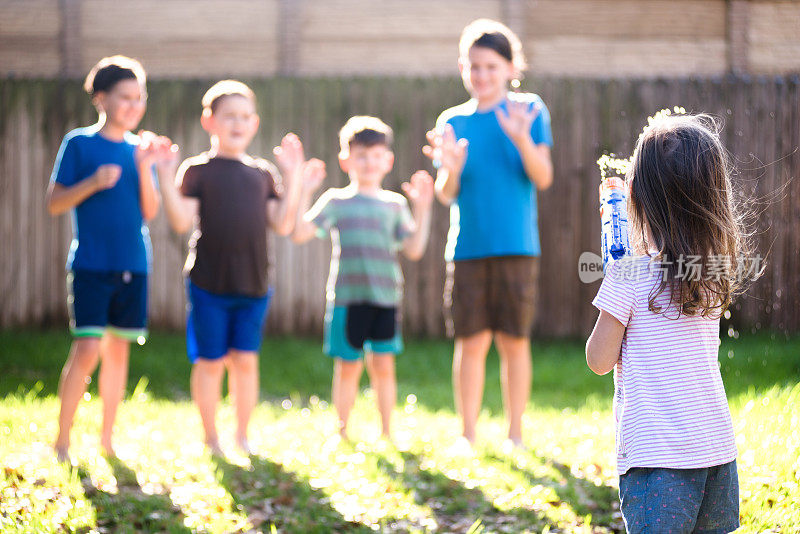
[462, 447]
[214, 448]
[513, 445]
[244, 446]
[108, 448]
[62, 454]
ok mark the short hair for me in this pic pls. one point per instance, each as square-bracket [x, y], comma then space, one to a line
[111, 70]
[223, 89]
[363, 130]
[494, 35]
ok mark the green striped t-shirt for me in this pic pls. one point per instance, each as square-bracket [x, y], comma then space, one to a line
[366, 233]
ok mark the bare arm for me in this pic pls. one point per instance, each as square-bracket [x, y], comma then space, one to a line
[447, 186]
[290, 156]
[60, 198]
[313, 173]
[604, 345]
[450, 155]
[149, 200]
[282, 212]
[537, 162]
[516, 123]
[420, 193]
[181, 211]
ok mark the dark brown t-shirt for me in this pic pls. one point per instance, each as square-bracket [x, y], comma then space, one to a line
[228, 249]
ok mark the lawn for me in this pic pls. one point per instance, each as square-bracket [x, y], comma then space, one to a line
[302, 479]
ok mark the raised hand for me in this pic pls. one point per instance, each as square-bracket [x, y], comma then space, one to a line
[106, 176]
[289, 154]
[155, 149]
[516, 122]
[167, 155]
[443, 148]
[312, 174]
[419, 190]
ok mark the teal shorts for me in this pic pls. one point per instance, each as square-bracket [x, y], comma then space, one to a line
[354, 329]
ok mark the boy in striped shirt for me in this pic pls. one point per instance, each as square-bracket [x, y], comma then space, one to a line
[368, 226]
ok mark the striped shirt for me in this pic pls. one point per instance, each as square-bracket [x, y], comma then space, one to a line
[366, 234]
[670, 407]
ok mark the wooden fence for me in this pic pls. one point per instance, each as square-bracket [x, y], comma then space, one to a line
[590, 117]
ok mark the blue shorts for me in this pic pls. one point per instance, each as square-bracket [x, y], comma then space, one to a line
[218, 323]
[100, 300]
[350, 330]
[680, 500]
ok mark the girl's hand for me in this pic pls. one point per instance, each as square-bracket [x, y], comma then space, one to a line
[444, 149]
[312, 174]
[289, 155]
[516, 122]
[419, 190]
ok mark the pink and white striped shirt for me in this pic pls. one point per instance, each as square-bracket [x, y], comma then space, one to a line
[669, 403]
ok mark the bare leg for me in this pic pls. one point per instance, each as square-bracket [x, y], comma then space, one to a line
[346, 376]
[382, 377]
[469, 370]
[206, 386]
[81, 363]
[114, 353]
[516, 373]
[243, 376]
[231, 378]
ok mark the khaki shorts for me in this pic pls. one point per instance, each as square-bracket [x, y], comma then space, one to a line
[498, 294]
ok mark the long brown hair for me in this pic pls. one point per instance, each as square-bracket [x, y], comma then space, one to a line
[680, 189]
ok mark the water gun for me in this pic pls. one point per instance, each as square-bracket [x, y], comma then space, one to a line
[613, 209]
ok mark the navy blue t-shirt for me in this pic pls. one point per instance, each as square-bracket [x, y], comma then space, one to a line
[495, 212]
[109, 233]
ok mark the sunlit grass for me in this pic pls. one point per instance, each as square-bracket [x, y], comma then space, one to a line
[302, 479]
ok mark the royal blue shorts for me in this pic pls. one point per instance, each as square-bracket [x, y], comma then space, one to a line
[218, 323]
[100, 300]
[680, 500]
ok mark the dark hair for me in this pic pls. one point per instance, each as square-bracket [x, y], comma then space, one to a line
[680, 188]
[487, 33]
[495, 41]
[111, 70]
[363, 130]
[223, 89]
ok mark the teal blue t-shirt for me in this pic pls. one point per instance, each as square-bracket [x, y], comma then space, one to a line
[109, 233]
[495, 212]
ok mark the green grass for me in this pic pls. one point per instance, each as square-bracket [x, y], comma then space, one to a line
[302, 480]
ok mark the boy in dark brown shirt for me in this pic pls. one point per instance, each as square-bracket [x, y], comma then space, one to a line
[230, 199]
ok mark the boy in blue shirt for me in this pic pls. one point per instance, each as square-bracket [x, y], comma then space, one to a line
[103, 175]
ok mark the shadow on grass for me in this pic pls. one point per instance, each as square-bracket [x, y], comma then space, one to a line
[455, 506]
[271, 495]
[131, 509]
[580, 494]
